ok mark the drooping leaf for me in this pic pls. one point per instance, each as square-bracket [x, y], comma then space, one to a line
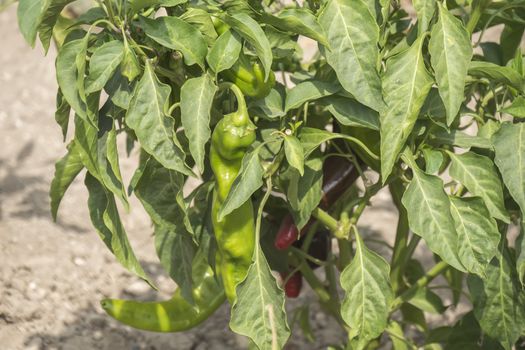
[154, 129]
[259, 311]
[272, 106]
[196, 99]
[450, 53]
[509, 145]
[304, 192]
[103, 64]
[105, 218]
[348, 111]
[294, 153]
[498, 300]
[406, 85]
[246, 183]
[176, 34]
[308, 91]
[501, 74]
[98, 152]
[353, 36]
[63, 110]
[39, 17]
[67, 73]
[516, 108]
[368, 293]
[460, 139]
[299, 21]
[428, 301]
[477, 231]
[224, 52]
[66, 170]
[176, 251]
[479, 175]
[252, 32]
[425, 11]
[429, 216]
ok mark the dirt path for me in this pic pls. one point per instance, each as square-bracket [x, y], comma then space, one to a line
[53, 275]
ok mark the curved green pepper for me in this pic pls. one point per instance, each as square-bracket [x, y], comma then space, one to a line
[175, 314]
[235, 233]
[249, 77]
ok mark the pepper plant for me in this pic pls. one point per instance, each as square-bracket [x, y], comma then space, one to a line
[288, 152]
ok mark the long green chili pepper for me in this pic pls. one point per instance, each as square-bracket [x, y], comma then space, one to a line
[235, 233]
[175, 314]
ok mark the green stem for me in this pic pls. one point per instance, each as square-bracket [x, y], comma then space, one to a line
[475, 15]
[420, 283]
[345, 253]
[241, 103]
[400, 246]
[326, 219]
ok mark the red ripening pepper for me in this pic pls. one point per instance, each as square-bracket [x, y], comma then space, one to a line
[293, 286]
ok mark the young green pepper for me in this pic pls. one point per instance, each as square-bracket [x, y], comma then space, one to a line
[175, 314]
[249, 77]
[235, 233]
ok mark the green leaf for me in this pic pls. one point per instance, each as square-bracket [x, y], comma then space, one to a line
[433, 160]
[224, 52]
[368, 293]
[196, 99]
[272, 106]
[294, 153]
[245, 184]
[509, 145]
[176, 34]
[250, 30]
[520, 252]
[201, 19]
[406, 85]
[397, 336]
[304, 192]
[498, 300]
[353, 36]
[500, 74]
[450, 54]
[460, 139]
[154, 129]
[308, 91]
[66, 170]
[105, 218]
[176, 251]
[479, 175]
[120, 90]
[130, 66]
[62, 113]
[259, 311]
[103, 64]
[429, 216]
[67, 73]
[348, 111]
[160, 192]
[477, 232]
[428, 301]
[137, 5]
[516, 108]
[98, 152]
[425, 12]
[299, 21]
[39, 16]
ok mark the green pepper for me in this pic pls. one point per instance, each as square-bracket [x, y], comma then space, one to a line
[235, 233]
[175, 314]
[249, 77]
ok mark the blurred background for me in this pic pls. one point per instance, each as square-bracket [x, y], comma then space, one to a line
[52, 275]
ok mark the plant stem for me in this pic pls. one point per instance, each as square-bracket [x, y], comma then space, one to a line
[422, 282]
[400, 246]
[326, 219]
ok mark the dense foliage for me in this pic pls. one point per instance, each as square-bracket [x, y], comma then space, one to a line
[409, 103]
